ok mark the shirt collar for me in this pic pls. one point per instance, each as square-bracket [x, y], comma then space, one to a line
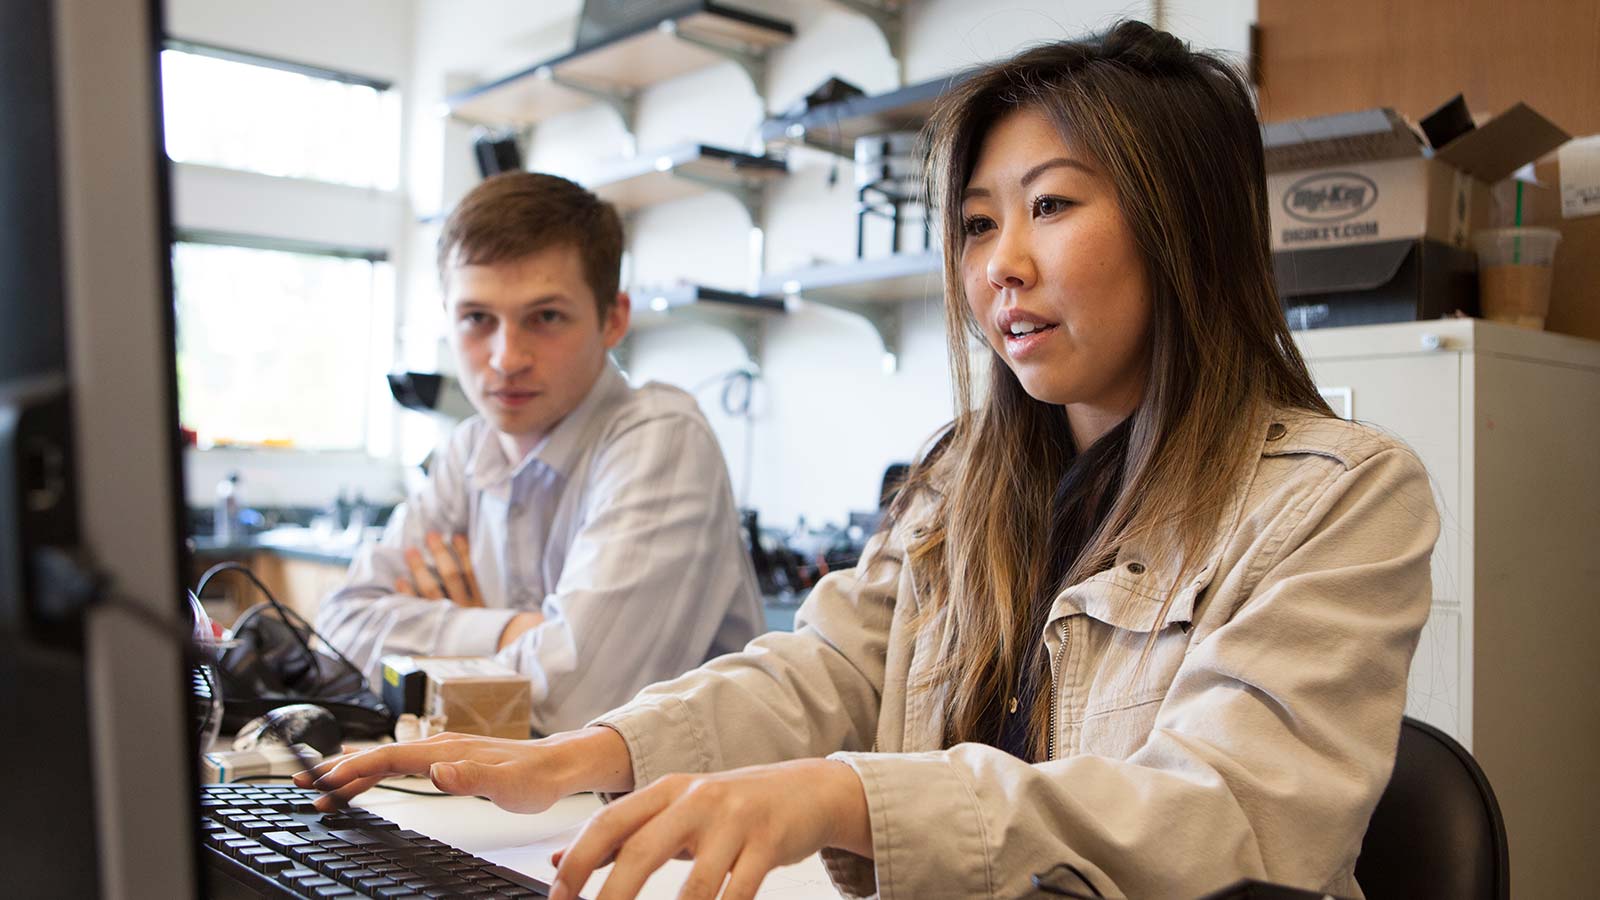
[560, 449]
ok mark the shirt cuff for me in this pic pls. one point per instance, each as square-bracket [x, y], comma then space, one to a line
[471, 630]
[662, 738]
[927, 830]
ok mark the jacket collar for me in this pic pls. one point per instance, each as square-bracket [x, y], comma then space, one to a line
[1129, 594]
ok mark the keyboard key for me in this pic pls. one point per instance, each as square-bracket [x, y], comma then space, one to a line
[393, 891]
[373, 883]
[249, 855]
[283, 840]
[293, 877]
[332, 890]
[355, 837]
[271, 863]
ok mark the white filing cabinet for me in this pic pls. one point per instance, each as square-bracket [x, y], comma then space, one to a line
[1508, 423]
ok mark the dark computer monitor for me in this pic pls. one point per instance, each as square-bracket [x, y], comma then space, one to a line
[99, 792]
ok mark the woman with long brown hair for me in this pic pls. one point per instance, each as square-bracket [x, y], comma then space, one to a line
[1143, 614]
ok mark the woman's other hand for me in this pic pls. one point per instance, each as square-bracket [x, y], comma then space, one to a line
[736, 826]
[521, 776]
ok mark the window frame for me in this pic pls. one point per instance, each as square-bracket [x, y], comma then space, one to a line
[271, 62]
[339, 76]
[222, 238]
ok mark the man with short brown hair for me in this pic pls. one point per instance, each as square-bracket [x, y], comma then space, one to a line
[578, 529]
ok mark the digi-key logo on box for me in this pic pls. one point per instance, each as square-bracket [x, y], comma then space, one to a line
[1327, 198]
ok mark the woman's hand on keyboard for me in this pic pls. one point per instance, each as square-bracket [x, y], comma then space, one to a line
[521, 776]
[735, 825]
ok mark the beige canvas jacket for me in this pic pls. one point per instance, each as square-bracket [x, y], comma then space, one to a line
[1255, 743]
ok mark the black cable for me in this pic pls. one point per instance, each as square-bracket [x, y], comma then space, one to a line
[183, 634]
[400, 790]
[219, 568]
[284, 612]
[739, 408]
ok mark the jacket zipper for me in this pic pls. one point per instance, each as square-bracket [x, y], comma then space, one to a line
[1055, 689]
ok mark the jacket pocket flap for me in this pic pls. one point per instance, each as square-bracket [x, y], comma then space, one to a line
[1115, 599]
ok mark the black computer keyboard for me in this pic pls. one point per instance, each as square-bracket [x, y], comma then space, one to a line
[269, 841]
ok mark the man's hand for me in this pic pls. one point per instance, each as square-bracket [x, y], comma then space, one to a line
[445, 573]
[522, 776]
[736, 826]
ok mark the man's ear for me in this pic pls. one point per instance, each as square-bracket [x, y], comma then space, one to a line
[615, 327]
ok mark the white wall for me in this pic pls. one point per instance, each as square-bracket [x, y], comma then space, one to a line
[828, 420]
[363, 37]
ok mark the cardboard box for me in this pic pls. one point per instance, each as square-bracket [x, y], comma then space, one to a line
[1366, 177]
[1575, 285]
[1364, 284]
[472, 695]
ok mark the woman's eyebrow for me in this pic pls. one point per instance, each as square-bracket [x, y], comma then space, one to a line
[1029, 176]
[1056, 163]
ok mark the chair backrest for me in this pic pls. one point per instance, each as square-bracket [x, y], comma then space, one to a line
[1437, 830]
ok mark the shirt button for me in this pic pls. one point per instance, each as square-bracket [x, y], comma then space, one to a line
[1136, 568]
[1276, 431]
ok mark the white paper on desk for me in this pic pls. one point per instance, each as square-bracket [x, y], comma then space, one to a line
[1580, 177]
[525, 842]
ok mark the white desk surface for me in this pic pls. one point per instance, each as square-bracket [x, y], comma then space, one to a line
[524, 842]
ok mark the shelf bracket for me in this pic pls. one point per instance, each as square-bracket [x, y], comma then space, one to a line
[626, 106]
[798, 132]
[753, 64]
[884, 318]
[749, 331]
[750, 197]
[889, 16]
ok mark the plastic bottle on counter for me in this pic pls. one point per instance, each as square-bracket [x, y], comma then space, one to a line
[226, 524]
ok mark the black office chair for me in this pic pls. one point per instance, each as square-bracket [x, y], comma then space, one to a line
[1437, 831]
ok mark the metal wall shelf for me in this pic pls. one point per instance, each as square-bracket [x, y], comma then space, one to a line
[613, 71]
[834, 127]
[687, 170]
[742, 315]
[874, 289]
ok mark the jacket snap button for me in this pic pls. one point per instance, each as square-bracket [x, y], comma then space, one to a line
[1136, 568]
[1276, 431]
